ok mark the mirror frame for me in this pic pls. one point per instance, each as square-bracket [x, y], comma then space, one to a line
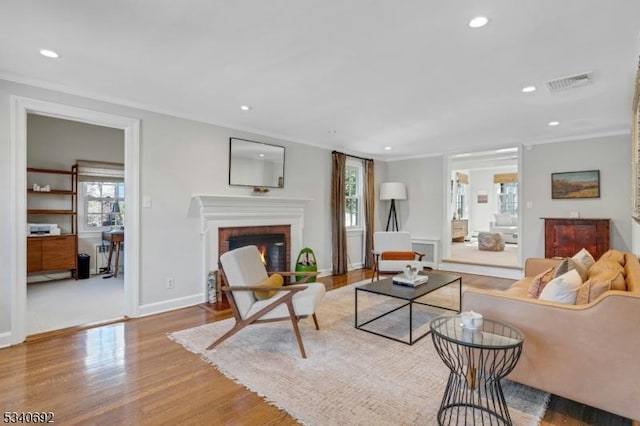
[233, 180]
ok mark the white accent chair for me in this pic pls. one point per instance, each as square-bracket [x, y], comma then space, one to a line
[392, 251]
[243, 269]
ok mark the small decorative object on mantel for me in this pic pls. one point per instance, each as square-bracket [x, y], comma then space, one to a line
[259, 190]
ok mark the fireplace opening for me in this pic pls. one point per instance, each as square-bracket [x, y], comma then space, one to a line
[272, 248]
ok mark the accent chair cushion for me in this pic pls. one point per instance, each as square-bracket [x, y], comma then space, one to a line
[563, 289]
[274, 281]
[539, 282]
[397, 255]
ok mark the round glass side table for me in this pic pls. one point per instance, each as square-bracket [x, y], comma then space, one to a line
[478, 359]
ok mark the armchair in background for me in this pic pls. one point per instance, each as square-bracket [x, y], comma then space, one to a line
[507, 225]
[255, 297]
[392, 251]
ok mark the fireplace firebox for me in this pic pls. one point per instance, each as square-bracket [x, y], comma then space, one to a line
[272, 248]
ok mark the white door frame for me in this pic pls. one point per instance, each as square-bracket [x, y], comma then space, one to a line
[20, 107]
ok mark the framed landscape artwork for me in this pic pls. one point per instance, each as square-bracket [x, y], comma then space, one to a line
[585, 184]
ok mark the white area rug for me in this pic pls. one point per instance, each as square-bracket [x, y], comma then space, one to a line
[350, 377]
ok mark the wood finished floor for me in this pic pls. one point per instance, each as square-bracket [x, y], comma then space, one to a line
[131, 373]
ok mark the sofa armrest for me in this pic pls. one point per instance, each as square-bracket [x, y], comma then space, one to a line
[587, 353]
[536, 265]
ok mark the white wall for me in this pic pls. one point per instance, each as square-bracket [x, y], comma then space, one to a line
[422, 213]
[179, 158]
[611, 155]
[481, 214]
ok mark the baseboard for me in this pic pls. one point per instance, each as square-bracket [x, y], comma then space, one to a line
[355, 266]
[5, 339]
[491, 271]
[170, 305]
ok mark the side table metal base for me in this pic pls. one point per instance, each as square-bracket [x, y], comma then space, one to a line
[462, 404]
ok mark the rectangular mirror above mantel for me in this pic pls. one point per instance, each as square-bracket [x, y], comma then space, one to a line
[255, 164]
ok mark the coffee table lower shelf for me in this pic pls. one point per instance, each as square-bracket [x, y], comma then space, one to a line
[411, 295]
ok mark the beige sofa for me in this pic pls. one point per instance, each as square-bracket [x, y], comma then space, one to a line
[588, 353]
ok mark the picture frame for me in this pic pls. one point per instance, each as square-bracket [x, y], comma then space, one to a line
[573, 185]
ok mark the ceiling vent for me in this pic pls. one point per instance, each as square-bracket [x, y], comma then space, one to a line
[570, 82]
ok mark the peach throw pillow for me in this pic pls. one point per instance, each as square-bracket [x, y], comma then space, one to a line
[540, 280]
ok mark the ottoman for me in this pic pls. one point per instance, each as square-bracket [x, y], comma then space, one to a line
[490, 241]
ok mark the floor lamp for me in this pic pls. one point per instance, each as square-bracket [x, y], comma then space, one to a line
[393, 191]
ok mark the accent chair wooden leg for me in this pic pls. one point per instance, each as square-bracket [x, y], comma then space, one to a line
[236, 327]
[296, 330]
[315, 320]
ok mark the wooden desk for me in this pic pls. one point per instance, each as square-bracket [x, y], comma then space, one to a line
[115, 239]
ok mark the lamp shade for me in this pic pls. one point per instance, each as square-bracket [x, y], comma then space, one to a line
[393, 191]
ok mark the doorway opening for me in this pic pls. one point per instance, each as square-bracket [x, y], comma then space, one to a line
[21, 109]
[483, 209]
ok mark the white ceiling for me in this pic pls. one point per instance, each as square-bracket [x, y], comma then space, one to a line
[353, 75]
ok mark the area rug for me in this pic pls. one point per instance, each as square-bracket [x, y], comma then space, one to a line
[350, 377]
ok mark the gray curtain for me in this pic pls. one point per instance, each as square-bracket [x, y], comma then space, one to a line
[338, 229]
[369, 209]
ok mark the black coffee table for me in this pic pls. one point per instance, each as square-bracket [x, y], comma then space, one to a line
[386, 287]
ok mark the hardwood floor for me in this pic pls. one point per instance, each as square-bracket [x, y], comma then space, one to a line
[131, 373]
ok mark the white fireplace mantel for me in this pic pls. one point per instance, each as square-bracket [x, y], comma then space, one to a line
[222, 211]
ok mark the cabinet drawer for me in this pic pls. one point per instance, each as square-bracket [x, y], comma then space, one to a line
[34, 254]
[59, 253]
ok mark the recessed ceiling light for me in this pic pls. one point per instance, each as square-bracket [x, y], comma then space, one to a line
[554, 123]
[529, 89]
[478, 22]
[49, 53]
[245, 107]
[387, 148]
[261, 155]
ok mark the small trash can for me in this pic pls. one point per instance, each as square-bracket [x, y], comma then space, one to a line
[306, 263]
[83, 266]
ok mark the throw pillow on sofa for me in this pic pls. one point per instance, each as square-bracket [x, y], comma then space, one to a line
[584, 258]
[597, 285]
[569, 264]
[563, 289]
[539, 282]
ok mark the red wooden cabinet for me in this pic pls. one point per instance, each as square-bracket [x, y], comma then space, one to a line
[564, 237]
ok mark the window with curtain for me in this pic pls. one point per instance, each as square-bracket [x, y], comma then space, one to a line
[353, 195]
[100, 199]
[507, 192]
[508, 198]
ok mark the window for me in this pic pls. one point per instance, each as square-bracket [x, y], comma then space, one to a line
[103, 204]
[508, 198]
[353, 195]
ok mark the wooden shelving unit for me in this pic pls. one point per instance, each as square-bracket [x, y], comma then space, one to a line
[48, 253]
